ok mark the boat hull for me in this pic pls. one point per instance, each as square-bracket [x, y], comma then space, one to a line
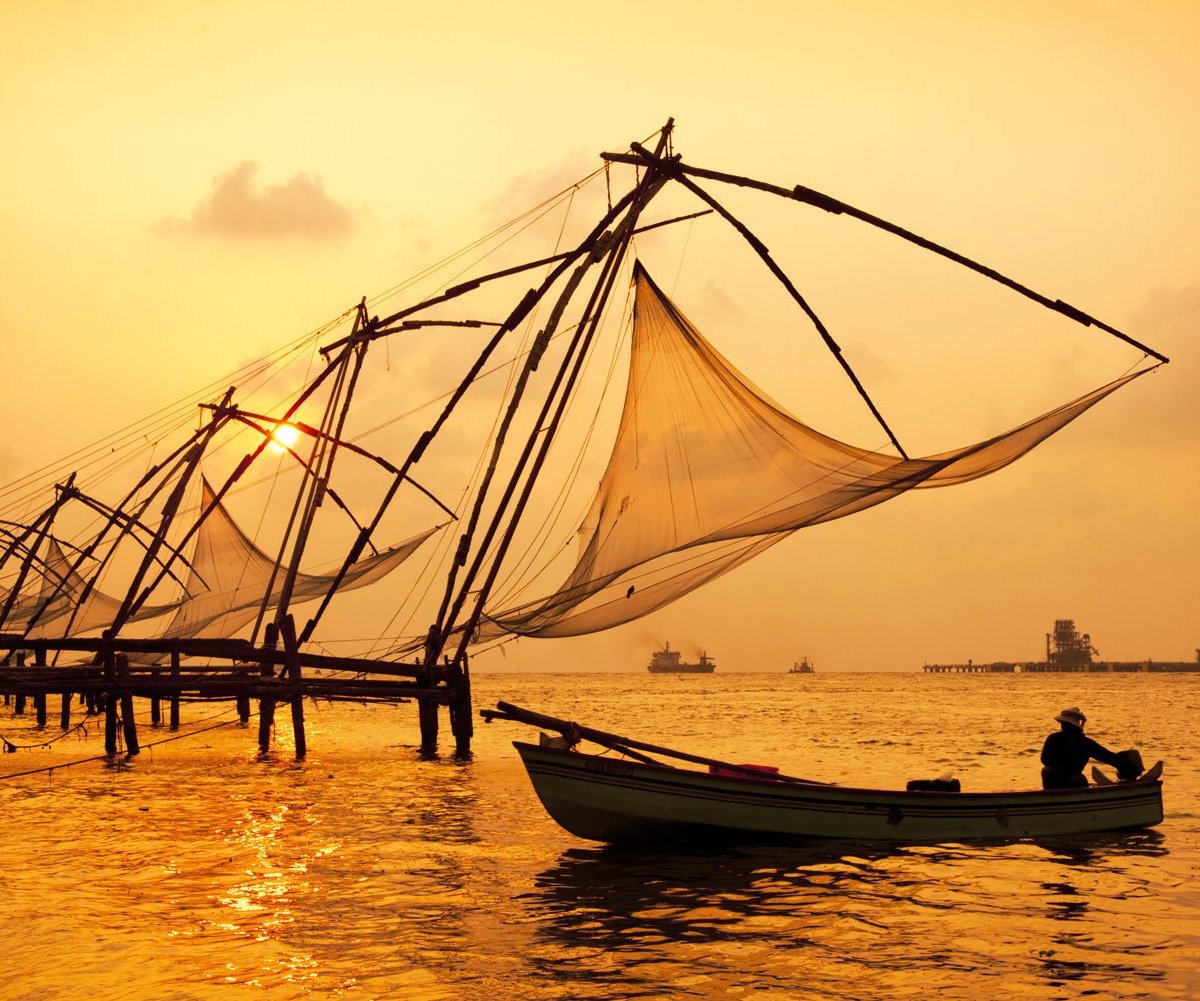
[619, 801]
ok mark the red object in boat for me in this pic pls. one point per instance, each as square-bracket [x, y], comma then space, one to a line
[731, 773]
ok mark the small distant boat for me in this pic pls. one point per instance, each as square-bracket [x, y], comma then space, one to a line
[804, 667]
[668, 661]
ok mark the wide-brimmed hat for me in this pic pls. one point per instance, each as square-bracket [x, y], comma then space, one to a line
[1072, 716]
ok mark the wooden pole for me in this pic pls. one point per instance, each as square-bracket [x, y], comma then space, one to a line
[128, 722]
[291, 648]
[19, 699]
[461, 717]
[175, 692]
[761, 249]
[39, 700]
[833, 205]
[155, 705]
[531, 298]
[64, 718]
[565, 378]
[110, 701]
[133, 600]
[266, 704]
[576, 732]
[427, 710]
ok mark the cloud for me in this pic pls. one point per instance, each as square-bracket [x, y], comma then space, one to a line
[536, 186]
[239, 206]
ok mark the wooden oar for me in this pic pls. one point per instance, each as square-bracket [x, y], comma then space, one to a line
[576, 732]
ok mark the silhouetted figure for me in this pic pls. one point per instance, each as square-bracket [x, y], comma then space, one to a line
[1065, 753]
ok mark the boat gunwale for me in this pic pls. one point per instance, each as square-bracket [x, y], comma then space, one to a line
[1112, 791]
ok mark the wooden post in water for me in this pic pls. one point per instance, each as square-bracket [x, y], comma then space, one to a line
[19, 701]
[39, 700]
[292, 649]
[155, 703]
[266, 704]
[175, 691]
[128, 723]
[461, 724]
[427, 715]
[64, 717]
[243, 709]
[110, 698]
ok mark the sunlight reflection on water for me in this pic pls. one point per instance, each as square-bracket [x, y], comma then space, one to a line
[366, 873]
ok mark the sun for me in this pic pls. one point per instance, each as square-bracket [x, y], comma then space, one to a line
[284, 437]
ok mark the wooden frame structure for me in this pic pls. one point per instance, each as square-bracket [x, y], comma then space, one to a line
[272, 670]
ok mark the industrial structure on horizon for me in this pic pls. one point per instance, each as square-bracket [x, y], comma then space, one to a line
[1068, 650]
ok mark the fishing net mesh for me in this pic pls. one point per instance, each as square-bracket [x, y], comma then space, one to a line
[229, 575]
[224, 585]
[707, 472]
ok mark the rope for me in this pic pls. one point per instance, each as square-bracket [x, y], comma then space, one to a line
[106, 757]
[11, 746]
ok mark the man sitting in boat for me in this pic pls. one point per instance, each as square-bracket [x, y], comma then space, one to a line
[1066, 752]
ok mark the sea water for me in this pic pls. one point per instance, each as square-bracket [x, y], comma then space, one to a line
[198, 871]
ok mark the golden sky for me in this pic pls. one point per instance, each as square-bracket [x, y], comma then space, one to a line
[187, 186]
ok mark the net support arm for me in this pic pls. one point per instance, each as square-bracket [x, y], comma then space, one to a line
[762, 251]
[828, 203]
[395, 323]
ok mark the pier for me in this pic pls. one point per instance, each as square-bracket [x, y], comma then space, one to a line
[120, 670]
[971, 668]
[1069, 651]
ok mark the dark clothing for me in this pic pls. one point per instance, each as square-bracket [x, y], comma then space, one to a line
[1065, 753]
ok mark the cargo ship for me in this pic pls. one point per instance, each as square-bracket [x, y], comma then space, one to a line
[803, 667]
[667, 661]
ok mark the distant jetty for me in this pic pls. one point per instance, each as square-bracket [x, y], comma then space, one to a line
[1069, 651]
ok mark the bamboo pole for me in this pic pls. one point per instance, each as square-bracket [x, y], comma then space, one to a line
[820, 200]
[765, 255]
[572, 363]
[576, 732]
[523, 308]
[42, 526]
